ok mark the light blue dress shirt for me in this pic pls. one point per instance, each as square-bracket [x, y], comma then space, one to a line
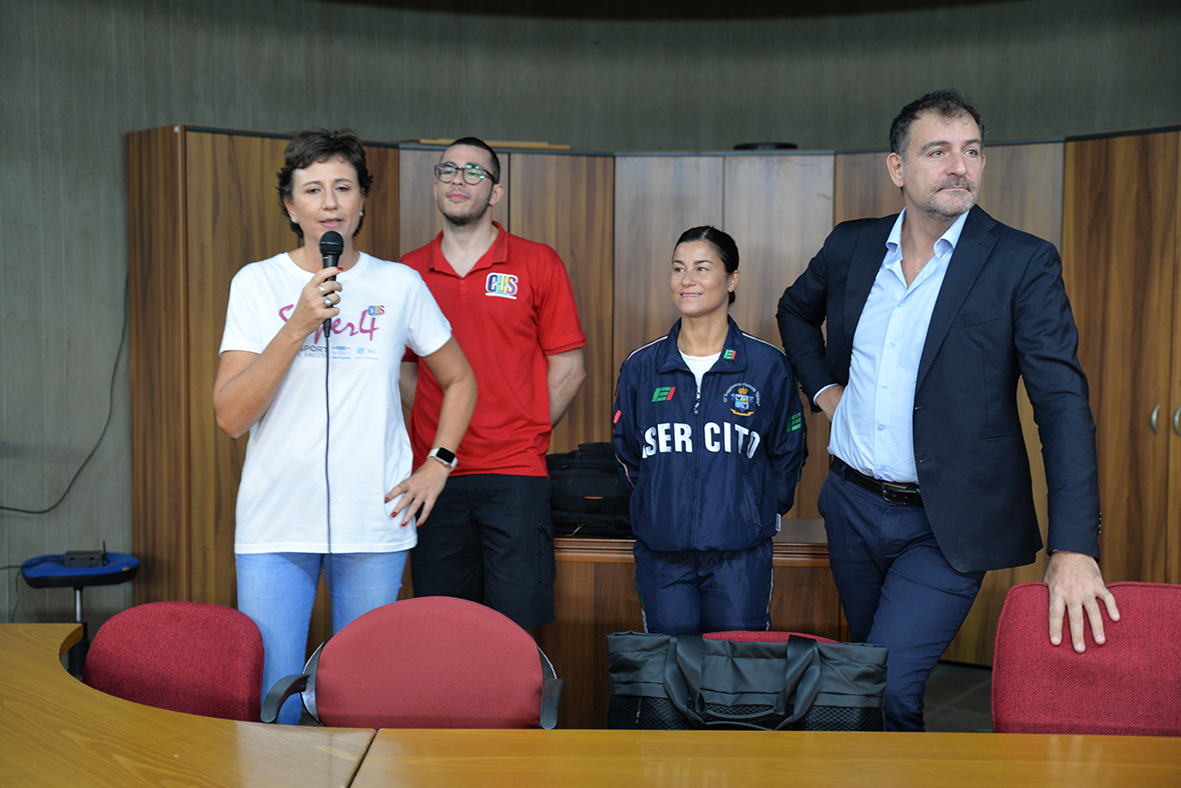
[873, 427]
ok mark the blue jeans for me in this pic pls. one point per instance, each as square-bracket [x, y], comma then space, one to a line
[277, 590]
[896, 588]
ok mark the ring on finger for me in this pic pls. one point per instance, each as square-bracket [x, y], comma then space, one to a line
[328, 302]
[322, 290]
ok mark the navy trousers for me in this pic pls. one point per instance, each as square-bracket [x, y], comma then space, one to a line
[705, 591]
[896, 588]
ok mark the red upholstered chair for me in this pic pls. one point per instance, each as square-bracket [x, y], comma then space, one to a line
[1129, 685]
[183, 656]
[427, 662]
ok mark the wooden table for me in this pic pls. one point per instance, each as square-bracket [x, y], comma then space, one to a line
[56, 731]
[744, 759]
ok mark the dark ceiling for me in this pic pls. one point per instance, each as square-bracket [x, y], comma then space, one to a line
[666, 9]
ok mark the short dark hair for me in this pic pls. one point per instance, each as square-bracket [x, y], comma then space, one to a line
[308, 147]
[719, 240]
[476, 142]
[949, 103]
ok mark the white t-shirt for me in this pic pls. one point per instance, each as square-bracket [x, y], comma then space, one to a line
[699, 365]
[385, 308]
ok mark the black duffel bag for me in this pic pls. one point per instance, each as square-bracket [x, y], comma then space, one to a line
[686, 681]
[588, 496]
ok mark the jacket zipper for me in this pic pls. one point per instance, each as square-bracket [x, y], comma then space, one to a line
[699, 434]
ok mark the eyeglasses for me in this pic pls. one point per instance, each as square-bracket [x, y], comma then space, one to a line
[472, 173]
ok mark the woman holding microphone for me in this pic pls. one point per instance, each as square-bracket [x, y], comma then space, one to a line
[327, 481]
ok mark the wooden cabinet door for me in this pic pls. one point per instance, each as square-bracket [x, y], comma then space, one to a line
[201, 205]
[567, 201]
[1173, 515]
[1119, 256]
[778, 211]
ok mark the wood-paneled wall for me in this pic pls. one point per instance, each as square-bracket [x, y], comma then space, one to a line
[1111, 204]
[228, 225]
[566, 201]
[159, 407]
[1173, 512]
[1120, 251]
[656, 199]
[779, 210]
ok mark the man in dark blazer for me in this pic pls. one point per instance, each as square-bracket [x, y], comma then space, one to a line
[933, 316]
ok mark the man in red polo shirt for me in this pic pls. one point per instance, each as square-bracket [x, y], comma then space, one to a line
[489, 537]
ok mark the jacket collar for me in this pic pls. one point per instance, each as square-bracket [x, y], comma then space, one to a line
[732, 359]
[975, 244]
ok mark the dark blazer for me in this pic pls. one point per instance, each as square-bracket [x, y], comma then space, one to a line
[1002, 314]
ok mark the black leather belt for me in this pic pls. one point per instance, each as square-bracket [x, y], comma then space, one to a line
[894, 492]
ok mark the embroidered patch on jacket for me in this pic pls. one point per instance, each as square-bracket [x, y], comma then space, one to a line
[663, 394]
[797, 421]
[743, 398]
[729, 354]
[501, 286]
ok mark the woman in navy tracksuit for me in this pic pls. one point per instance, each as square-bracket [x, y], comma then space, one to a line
[709, 432]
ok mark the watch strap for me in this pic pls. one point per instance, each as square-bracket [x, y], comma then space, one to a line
[445, 456]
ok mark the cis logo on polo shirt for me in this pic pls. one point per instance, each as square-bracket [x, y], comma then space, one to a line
[663, 394]
[501, 286]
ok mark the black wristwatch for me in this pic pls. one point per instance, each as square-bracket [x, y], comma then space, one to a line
[445, 456]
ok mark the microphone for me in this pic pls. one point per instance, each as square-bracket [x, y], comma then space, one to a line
[331, 248]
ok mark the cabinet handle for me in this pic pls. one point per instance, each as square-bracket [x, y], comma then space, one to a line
[1152, 419]
[1177, 421]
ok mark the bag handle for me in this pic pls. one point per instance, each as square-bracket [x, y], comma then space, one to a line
[682, 683]
[682, 676]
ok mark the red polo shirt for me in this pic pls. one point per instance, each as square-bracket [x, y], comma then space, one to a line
[514, 308]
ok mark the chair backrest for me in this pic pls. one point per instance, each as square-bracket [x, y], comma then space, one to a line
[184, 656]
[430, 662]
[1129, 685]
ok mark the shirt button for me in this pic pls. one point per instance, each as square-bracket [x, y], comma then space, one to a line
[881, 427]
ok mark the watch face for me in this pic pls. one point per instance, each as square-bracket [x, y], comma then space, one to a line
[445, 455]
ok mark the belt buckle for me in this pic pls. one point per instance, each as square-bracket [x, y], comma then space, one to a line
[894, 495]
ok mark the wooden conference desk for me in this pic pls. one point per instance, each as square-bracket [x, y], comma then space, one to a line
[747, 759]
[54, 730]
